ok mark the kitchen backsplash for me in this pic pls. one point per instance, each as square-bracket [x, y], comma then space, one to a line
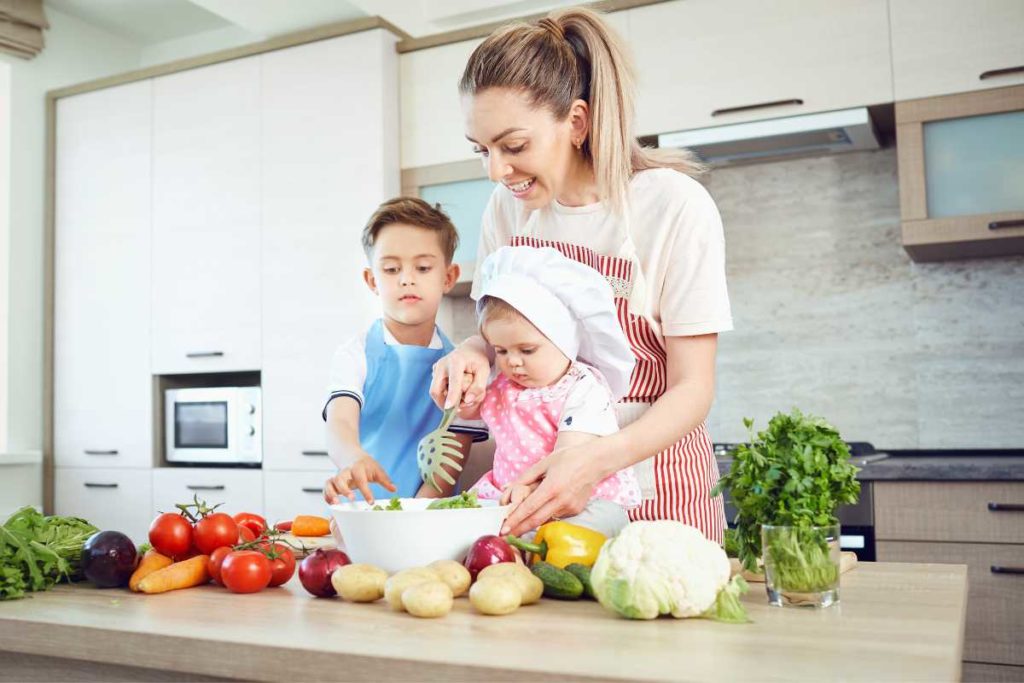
[831, 316]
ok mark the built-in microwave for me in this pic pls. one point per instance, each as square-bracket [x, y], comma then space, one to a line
[221, 425]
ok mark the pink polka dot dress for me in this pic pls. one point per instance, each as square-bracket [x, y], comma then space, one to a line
[525, 423]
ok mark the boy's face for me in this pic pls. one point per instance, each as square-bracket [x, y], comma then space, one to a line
[409, 274]
[523, 353]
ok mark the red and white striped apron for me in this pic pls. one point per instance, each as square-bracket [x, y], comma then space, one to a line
[675, 482]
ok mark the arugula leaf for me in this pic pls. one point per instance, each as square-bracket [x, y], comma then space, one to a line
[37, 551]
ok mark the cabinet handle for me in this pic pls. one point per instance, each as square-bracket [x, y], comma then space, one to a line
[750, 107]
[93, 485]
[89, 451]
[315, 454]
[1016, 223]
[204, 354]
[1006, 507]
[997, 569]
[310, 489]
[993, 73]
[196, 487]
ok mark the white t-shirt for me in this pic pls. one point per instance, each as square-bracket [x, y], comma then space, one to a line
[678, 236]
[348, 375]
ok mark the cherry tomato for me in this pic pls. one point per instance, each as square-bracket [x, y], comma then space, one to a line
[282, 567]
[284, 526]
[214, 531]
[216, 561]
[250, 519]
[245, 534]
[170, 534]
[245, 571]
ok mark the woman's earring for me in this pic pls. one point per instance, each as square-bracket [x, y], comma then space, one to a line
[578, 144]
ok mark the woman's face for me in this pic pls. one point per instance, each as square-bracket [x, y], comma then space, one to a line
[524, 147]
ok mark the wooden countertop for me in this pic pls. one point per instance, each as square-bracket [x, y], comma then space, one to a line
[895, 622]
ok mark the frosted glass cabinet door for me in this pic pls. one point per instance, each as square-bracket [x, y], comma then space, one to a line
[464, 202]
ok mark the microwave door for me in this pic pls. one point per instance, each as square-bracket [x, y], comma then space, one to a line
[201, 429]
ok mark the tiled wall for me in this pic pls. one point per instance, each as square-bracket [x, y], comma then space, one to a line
[832, 316]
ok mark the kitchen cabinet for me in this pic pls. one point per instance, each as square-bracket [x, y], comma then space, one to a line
[102, 387]
[330, 157]
[941, 47]
[973, 523]
[708, 63]
[118, 499]
[287, 494]
[206, 219]
[238, 490]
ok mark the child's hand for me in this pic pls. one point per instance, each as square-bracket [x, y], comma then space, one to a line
[515, 494]
[359, 476]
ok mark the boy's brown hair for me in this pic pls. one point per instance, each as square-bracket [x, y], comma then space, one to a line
[417, 213]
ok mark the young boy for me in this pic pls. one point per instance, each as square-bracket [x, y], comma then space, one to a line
[379, 405]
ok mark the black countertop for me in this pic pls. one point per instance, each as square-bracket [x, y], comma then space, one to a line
[932, 466]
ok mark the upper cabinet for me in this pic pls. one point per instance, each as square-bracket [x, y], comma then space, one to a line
[709, 63]
[206, 219]
[102, 387]
[330, 157]
[950, 46]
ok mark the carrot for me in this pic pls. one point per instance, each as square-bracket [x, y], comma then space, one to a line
[152, 561]
[310, 525]
[184, 574]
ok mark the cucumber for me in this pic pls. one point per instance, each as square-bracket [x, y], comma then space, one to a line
[558, 583]
[582, 572]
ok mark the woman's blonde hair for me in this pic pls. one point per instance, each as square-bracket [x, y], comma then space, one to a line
[571, 55]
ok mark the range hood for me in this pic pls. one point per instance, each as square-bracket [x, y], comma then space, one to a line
[845, 130]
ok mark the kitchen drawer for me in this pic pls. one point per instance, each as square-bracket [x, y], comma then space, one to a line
[949, 511]
[294, 493]
[995, 620]
[238, 490]
[991, 673]
[111, 499]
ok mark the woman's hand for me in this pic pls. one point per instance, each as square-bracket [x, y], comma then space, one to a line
[567, 478]
[446, 386]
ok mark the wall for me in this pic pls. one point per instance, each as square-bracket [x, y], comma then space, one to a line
[75, 51]
[832, 317]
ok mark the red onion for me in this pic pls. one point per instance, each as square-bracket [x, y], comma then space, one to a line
[488, 550]
[315, 571]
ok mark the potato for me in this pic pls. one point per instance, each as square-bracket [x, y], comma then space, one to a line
[454, 574]
[495, 596]
[397, 583]
[428, 599]
[359, 582]
[530, 587]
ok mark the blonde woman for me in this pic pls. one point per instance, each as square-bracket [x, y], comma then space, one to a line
[549, 108]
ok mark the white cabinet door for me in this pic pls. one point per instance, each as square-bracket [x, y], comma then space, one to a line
[206, 219]
[696, 58]
[294, 493]
[111, 499]
[238, 490]
[946, 46]
[329, 158]
[102, 384]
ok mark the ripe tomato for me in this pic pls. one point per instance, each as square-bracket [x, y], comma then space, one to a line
[214, 531]
[250, 519]
[171, 534]
[245, 534]
[282, 567]
[245, 571]
[214, 564]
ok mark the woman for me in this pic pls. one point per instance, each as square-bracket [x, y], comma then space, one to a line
[549, 107]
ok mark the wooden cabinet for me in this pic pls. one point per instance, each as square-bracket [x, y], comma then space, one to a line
[118, 499]
[329, 158]
[102, 385]
[978, 524]
[294, 493]
[206, 219]
[709, 63]
[947, 46]
[238, 490]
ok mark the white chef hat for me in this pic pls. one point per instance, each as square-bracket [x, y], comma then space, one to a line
[570, 303]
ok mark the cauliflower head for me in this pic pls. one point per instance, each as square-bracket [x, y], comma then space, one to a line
[662, 567]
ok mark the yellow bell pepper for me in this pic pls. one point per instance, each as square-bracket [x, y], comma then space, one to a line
[561, 543]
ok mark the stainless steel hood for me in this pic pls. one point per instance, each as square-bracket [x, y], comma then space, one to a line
[845, 130]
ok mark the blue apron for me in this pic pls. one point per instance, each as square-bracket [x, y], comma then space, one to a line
[397, 409]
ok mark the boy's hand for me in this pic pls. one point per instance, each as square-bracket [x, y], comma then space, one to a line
[359, 476]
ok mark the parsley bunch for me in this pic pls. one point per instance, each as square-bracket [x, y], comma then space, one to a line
[795, 473]
[37, 552]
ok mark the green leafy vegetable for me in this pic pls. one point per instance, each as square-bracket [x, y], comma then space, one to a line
[395, 504]
[727, 607]
[795, 473]
[466, 499]
[801, 559]
[36, 551]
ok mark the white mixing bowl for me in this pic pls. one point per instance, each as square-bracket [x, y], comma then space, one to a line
[413, 536]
